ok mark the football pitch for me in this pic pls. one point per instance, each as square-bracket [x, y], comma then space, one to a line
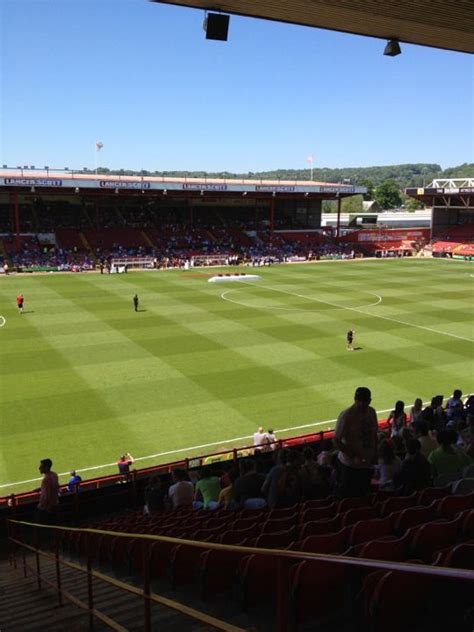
[83, 377]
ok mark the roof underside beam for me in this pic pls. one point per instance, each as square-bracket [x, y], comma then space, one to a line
[445, 24]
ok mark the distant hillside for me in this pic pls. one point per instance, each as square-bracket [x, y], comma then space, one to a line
[409, 175]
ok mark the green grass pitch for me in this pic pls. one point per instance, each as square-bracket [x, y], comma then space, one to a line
[84, 377]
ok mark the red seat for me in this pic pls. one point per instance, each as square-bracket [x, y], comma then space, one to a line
[396, 504]
[206, 535]
[316, 504]
[184, 563]
[239, 535]
[428, 495]
[381, 496]
[245, 523]
[317, 590]
[160, 556]
[354, 503]
[328, 543]
[276, 540]
[217, 570]
[396, 600]
[452, 505]
[394, 550]
[318, 527]
[366, 530]
[433, 536]
[282, 524]
[214, 523]
[467, 527]
[258, 577]
[354, 515]
[288, 512]
[403, 520]
[321, 513]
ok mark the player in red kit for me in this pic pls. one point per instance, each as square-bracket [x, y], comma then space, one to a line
[19, 302]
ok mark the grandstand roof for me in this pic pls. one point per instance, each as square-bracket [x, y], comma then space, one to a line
[439, 23]
[453, 193]
[61, 181]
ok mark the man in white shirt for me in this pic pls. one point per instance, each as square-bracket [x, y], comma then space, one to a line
[181, 493]
[259, 438]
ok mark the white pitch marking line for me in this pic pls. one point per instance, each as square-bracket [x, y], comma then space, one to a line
[294, 309]
[196, 447]
[3, 320]
[358, 310]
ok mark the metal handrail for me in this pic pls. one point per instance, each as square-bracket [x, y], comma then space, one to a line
[285, 557]
[146, 593]
[424, 569]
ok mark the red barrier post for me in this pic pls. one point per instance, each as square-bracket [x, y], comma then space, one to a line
[38, 568]
[58, 568]
[146, 584]
[90, 593]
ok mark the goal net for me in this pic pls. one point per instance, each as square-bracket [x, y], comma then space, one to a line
[132, 262]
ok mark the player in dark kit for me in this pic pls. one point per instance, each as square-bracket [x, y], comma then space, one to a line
[350, 339]
[135, 302]
[19, 301]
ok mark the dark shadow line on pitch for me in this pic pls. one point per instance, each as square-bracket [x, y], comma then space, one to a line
[28, 311]
[358, 348]
[140, 310]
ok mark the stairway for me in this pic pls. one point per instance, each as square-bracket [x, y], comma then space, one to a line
[24, 608]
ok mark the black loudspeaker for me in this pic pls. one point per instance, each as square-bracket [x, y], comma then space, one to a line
[217, 26]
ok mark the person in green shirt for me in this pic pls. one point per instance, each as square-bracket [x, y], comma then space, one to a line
[447, 459]
[207, 488]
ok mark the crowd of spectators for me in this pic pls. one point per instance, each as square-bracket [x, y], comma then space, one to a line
[433, 445]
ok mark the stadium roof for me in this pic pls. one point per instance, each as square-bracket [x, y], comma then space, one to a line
[61, 181]
[438, 23]
[446, 192]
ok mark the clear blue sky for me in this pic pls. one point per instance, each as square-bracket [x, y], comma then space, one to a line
[142, 79]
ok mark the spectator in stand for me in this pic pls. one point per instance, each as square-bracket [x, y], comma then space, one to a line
[74, 482]
[428, 414]
[49, 493]
[468, 437]
[269, 487]
[289, 486]
[427, 443]
[270, 439]
[388, 465]
[447, 459]
[399, 446]
[469, 405]
[416, 411]
[356, 439]
[397, 419]
[415, 472]
[248, 486]
[314, 477]
[155, 495]
[181, 492]
[226, 496]
[123, 464]
[439, 414]
[207, 489]
[454, 402]
[259, 439]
